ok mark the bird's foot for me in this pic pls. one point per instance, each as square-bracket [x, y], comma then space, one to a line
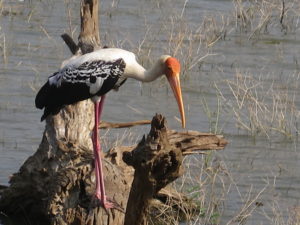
[106, 203]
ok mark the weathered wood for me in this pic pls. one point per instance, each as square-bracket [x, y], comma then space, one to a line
[70, 43]
[156, 163]
[192, 142]
[189, 142]
[105, 125]
[89, 37]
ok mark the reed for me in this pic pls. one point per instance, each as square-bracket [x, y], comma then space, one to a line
[263, 107]
[3, 47]
[208, 190]
[264, 17]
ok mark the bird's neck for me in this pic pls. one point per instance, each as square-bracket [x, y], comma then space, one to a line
[140, 73]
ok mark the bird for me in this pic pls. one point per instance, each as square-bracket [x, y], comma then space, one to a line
[91, 76]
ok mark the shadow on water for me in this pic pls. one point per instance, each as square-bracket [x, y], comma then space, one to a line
[34, 50]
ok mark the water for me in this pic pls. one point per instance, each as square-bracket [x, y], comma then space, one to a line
[34, 50]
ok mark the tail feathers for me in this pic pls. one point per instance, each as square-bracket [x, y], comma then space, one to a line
[47, 98]
[44, 116]
[50, 111]
[42, 96]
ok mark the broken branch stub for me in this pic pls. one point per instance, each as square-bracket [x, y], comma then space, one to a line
[156, 163]
[89, 37]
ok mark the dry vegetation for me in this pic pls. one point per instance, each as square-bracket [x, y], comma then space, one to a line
[2, 36]
[261, 106]
[209, 184]
[267, 16]
[266, 103]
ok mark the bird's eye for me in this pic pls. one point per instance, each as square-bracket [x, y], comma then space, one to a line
[169, 68]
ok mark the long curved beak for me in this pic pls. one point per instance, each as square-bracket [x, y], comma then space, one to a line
[175, 85]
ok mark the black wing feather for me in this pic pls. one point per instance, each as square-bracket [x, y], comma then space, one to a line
[72, 85]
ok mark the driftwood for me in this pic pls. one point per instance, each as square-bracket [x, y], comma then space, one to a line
[56, 184]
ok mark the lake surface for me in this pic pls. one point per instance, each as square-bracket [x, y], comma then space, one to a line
[31, 50]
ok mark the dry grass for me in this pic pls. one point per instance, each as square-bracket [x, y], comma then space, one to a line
[260, 17]
[260, 103]
[207, 183]
[3, 47]
[263, 107]
[2, 36]
[280, 216]
[257, 107]
[177, 37]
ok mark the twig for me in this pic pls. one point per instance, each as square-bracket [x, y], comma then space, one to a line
[70, 42]
[105, 125]
[282, 12]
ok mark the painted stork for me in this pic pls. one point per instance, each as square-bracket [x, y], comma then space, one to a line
[94, 74]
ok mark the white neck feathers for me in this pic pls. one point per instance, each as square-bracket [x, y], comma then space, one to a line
[138, 72]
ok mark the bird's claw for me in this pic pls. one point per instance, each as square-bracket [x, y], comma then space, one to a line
[106, 203]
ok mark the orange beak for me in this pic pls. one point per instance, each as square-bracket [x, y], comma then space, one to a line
[174, 81]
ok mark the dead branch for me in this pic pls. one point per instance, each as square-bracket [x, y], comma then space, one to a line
[70, 43]
[105, 125]
[89, 37]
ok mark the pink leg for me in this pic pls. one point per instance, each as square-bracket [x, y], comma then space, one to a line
[100, 189]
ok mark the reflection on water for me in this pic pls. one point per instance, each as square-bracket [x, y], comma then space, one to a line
[34, 50]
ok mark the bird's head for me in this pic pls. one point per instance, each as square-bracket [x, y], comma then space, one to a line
[172, 71]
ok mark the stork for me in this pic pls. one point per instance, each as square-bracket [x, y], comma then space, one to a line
[91, 76]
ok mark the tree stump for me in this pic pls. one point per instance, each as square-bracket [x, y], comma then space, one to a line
[55, 185]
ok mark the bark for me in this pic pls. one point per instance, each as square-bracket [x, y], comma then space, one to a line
[156, 163]
[89, 37]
